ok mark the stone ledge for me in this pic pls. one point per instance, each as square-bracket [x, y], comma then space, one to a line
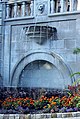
[70, 115]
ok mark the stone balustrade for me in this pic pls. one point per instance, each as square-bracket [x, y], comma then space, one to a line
[22, 8]
[70, 115]
[63, 6]
[19, 9]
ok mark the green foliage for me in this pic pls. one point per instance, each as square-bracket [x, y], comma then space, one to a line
[76, 51]
[78, 80]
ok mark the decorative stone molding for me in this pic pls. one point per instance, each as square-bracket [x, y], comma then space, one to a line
[41, 8]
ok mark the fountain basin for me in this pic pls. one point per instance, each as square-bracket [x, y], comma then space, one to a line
[40, 33]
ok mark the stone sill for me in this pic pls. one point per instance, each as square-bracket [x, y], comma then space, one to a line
[19, 18]
[70, 115]
[64, 14]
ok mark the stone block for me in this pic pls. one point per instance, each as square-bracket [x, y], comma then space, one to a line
[6, 116]
[70, 57]
[78, 114]
[28, 116]
[59, 115]
[53, 44]
[21, 116]
[64, 115]
[60, 44]
[0, 29]
[54, 115]
[1, 116]
[69, 44]
[11, 116]
[69, 114]
[0, 21]
[78, 41]
[16, 116]
[0, 46]
[0, 38]
[0, 14]
[78, 24]
[0, 7]
[74, 114]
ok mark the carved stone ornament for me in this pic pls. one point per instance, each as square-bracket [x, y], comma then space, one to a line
[41, 8]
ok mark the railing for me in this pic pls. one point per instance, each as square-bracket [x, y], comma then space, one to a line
[19, 9]
[22, 8]
[56, 6]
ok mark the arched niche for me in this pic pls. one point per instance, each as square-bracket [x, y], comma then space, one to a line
[59, 66]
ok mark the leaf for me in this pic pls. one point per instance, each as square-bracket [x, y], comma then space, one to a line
[76, 51]
[77, 81]
[76, 73]
[69, 94]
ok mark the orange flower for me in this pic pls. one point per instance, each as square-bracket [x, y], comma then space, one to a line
[53, 103]
[56, 97]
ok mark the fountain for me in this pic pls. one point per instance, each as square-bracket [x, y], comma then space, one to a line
[39, 33]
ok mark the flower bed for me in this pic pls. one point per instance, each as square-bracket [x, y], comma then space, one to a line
[69, 102]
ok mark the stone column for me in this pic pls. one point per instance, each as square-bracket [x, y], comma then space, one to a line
[32, 8]
[52, 6]
[7, 11]
[23, 8]
[15, 9]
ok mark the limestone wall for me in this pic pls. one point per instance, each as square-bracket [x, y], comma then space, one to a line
[17, 46]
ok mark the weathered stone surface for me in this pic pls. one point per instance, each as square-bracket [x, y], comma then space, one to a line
[54, 115]
[11, 116]
[16, 44]
[1, 116]
[28, 116]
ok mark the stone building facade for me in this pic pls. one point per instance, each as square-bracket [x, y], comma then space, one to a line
[37, 39]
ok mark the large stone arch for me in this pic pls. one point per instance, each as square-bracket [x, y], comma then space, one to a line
[49, 56]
